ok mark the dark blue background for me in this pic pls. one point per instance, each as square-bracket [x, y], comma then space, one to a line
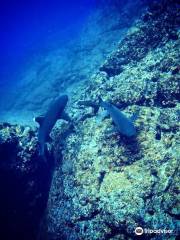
[32, 27]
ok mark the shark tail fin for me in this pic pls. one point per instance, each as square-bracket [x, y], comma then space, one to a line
[42, 152]
[89, 103]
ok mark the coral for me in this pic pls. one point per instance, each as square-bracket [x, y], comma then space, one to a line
[104, 184]
[157, 27]
[107, 185]
[24, 182]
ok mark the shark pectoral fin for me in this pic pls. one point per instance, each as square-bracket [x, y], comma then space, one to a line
[39, 119]
[101, 116]
[104, 114]
[113, 130]
[66, 117]
[90, 103]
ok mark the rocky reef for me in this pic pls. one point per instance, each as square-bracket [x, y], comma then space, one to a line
[24, 183]
[156, 27]
[104, 185]
[107, 185]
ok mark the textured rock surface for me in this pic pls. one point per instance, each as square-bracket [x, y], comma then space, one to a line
[157, 26]
[107, 185]
[24, 183]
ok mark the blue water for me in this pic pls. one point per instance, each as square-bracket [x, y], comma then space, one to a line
[30, 28]
[47, 46]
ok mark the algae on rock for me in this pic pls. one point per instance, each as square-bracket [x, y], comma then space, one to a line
[24, 183]
[107, 185]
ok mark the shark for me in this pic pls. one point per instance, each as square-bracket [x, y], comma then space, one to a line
[48, 120]
[124, 125]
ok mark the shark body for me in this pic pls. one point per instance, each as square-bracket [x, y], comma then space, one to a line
[47, 122]
[124, 125]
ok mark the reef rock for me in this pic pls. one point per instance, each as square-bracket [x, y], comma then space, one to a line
[24, 183]
[157, 26]
[107, 185]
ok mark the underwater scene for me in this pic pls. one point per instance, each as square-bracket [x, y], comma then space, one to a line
[90, 120]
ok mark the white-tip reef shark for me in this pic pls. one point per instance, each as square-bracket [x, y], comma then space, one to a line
[47, 122]
[124, 125]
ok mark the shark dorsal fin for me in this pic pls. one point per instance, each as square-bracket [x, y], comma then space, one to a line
[39, 119]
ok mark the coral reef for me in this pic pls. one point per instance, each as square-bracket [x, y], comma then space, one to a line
[24, 183]
[107, 185]
[158, 25]
[104, 185]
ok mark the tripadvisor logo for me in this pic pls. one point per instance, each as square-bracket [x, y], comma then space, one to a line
[139, 231]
